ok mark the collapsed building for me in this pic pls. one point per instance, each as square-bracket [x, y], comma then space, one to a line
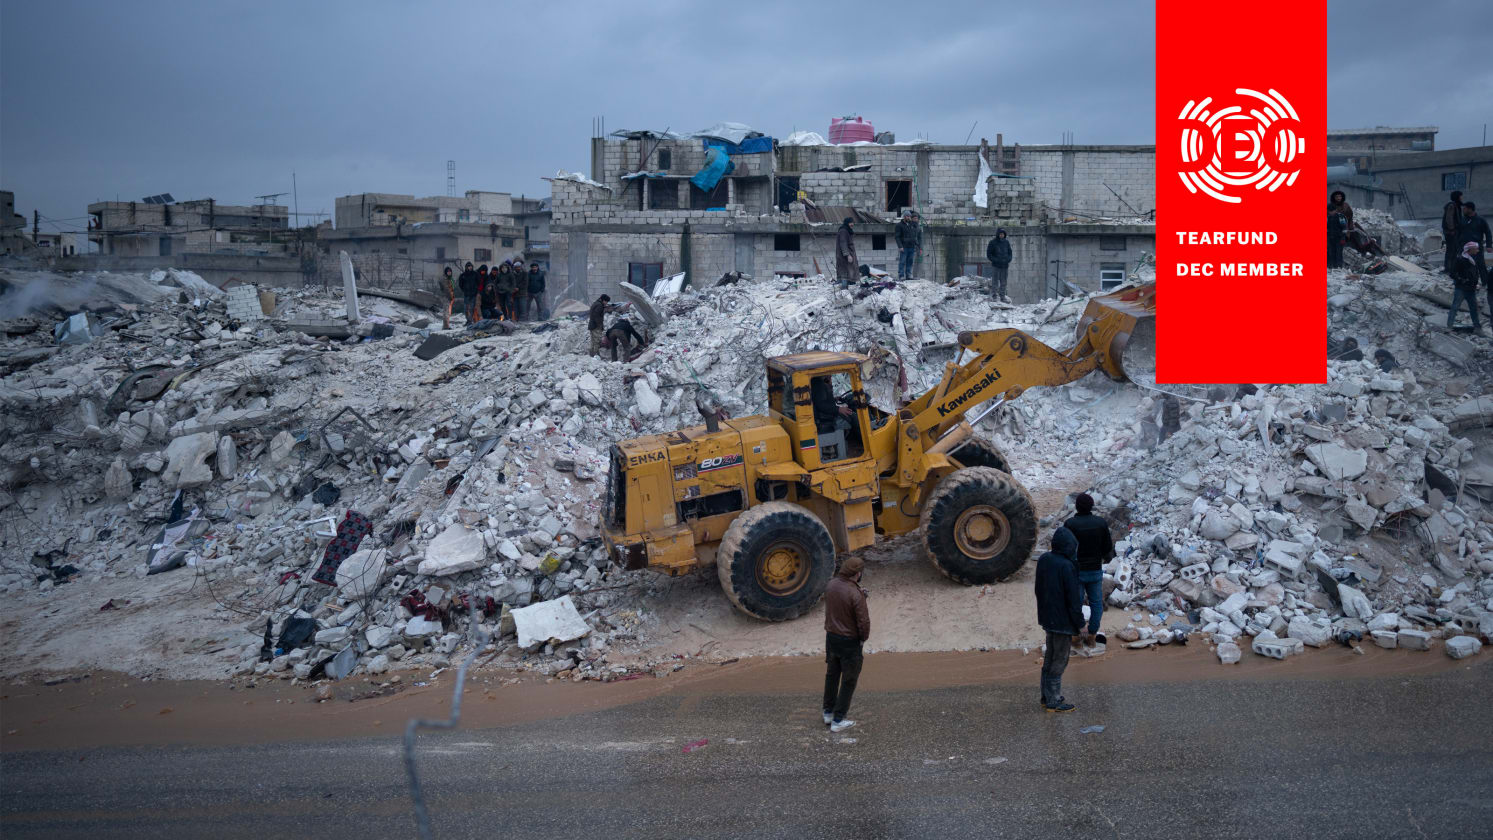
[728, 199]
[327, 507]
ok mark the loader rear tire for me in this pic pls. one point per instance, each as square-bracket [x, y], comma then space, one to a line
[978, 452]
[979, 526]
[775, 561]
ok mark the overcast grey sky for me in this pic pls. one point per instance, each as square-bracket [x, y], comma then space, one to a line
[127, 99]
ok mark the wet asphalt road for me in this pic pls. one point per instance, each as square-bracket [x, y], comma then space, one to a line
[1383, 757]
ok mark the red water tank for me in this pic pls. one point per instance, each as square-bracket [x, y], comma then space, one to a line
[850, 130]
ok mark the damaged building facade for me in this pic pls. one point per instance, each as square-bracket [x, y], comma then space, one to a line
[1414, 185]
[1077, 216]
[203, 226]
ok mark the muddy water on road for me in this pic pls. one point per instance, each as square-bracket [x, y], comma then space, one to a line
[106, 709]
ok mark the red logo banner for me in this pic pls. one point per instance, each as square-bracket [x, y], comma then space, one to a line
[1241, 248]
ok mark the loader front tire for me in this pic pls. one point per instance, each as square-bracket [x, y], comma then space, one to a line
[978, 452]
[979, 526]
[775, 561]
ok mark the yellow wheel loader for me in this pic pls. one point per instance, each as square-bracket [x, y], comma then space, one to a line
[771, 500]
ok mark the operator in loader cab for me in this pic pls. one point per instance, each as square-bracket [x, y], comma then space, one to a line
[828, 414]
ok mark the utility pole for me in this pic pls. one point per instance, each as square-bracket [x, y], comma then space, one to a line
[35, 227]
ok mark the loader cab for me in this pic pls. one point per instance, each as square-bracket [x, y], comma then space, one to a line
[819, 400]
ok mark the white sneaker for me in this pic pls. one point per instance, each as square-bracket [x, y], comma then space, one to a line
[828, 718]
[841, 725]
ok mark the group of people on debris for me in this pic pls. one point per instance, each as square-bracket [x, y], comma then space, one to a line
[1069, 576]
[507, 293]
[1468, 238]
[908, 235]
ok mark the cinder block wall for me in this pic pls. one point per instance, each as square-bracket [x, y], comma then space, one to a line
[1085, 256]
[1079, 182]
[843, 189]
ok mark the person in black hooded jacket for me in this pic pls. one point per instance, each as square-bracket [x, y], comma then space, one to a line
[999, 254]
[1060, 612]
[469, 288]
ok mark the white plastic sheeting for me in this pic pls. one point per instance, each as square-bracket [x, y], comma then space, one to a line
[805, 138]
[980, 181]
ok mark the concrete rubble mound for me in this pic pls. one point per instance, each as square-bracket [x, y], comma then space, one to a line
[387, 502]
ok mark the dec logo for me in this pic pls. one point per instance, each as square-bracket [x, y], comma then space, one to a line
[1250, 142]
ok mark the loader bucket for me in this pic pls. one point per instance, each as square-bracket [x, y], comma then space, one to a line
[1126, 338]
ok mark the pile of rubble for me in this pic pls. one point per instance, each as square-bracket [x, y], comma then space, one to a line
[359, 504]
[1359, 508]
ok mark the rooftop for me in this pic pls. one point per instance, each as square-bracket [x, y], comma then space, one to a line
[1383, 129]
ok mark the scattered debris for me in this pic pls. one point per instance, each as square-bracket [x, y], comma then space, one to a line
[323, 483]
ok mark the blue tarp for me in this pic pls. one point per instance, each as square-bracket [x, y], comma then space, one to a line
[749, 146]
[717, 166]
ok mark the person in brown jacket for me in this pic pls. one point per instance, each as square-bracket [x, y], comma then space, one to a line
[847, 624]
[598, 312]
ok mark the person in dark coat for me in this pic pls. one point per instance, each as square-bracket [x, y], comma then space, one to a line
[1465, 277]
[1475, 229]
[845, 258]
[998, 251]
[536, 292]
[1095, 546]
[622, 336]
[1060, 612]
[847, 626]
[506, 281]
[597, 315]
[1352, 233]
[1451, 229]
[909, 236]
[1337, 228]
[520, 295]
[469, 293]
[492, 293]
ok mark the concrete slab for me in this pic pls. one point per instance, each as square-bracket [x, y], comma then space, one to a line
[644, 302]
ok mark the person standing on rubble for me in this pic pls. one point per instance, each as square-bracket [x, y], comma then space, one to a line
[846, 261]
[536, 292]
[847, 626]
[508, 284]
[448, 289]
[1465, 276]
[1337, 227]
[998, 251]
[1095, 546]
[909, 235]
[484, 277]
[470, 287]
[598, 313]
[1451, 229]
[1060, 612]
[1475, 229]
[520, 295]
